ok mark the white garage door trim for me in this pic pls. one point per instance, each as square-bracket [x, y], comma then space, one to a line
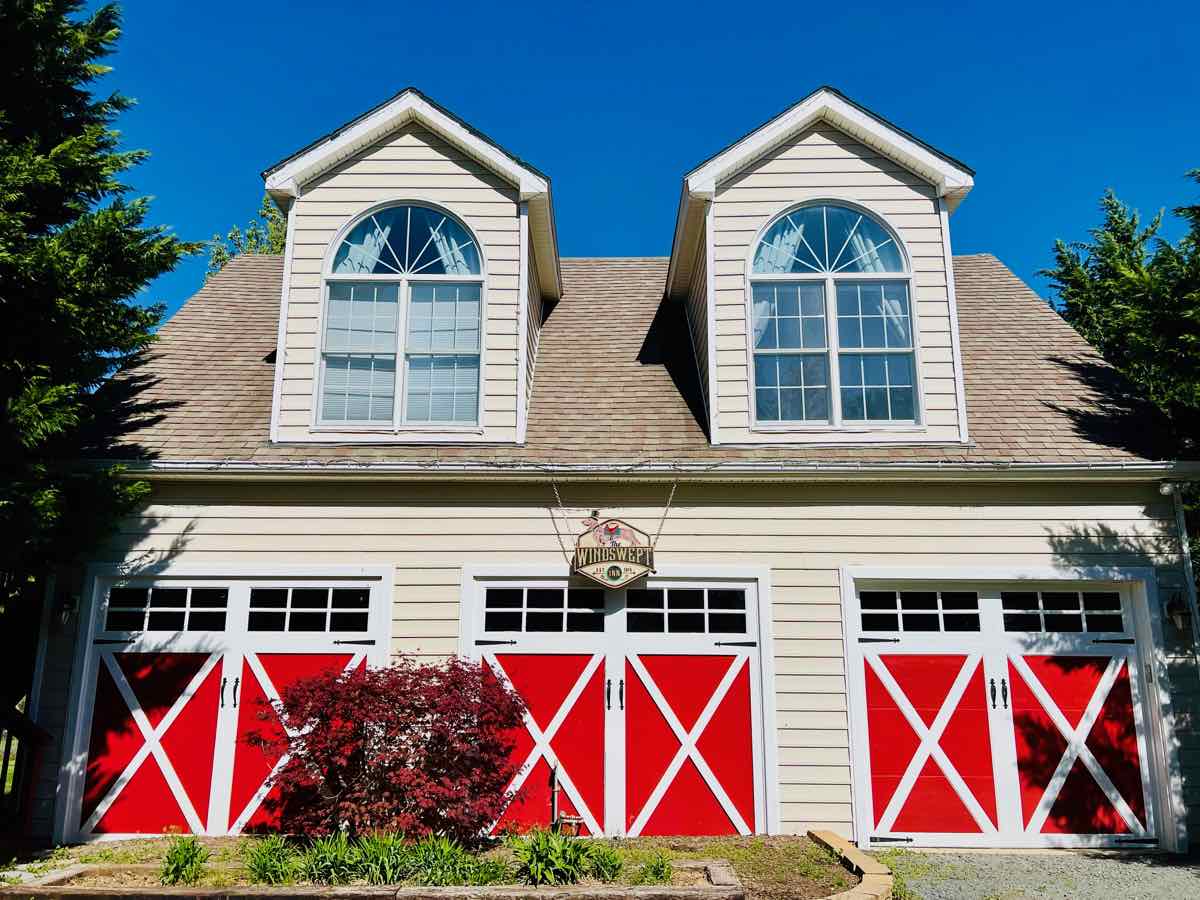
[1141, 586]
[475, 578]
[88, 655]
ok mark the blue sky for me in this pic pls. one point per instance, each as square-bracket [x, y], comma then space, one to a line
[1049, 104]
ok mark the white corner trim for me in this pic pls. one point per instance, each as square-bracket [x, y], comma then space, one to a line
[409, 106]
[714, 414]
[39, 661]
[281, 331]
[946, 177]
[523, 301]
[960, 391]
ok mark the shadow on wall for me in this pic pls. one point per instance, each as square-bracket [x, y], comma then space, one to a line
[1083, 806]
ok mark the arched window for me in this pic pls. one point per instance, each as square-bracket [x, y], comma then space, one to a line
[831, 321]
[411, 271]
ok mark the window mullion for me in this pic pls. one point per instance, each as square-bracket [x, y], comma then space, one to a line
[398, 401]
[831, 338]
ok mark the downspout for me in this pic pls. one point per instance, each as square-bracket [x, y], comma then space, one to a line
[1189, 574]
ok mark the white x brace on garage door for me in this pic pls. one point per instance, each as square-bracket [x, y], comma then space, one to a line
[646, 704]
[1014, 712]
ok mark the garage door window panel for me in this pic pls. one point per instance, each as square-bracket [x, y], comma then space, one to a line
[919, 611]
[309, 609]
[136, 609]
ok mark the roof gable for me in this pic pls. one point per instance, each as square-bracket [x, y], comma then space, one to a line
[952, 178]
[286, 178]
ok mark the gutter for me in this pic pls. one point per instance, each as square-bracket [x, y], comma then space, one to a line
[741, 470]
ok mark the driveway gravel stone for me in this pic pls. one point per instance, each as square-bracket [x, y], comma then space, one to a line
[1049, 875]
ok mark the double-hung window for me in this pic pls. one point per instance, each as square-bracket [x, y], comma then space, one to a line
[831, 322]
[401, 342]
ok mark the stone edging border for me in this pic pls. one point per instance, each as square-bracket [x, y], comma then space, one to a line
[877, 879]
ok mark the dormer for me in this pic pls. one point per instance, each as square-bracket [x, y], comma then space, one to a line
[419, 253]
[813, 259]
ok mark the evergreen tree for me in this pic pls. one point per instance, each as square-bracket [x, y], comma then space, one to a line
[1135, 297]
[75, 250]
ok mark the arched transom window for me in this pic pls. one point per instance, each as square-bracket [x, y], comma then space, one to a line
[403, 298]
[831, 321]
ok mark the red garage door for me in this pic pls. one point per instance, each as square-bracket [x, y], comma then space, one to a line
[643, 706]
[183, 679]
[1004, 718]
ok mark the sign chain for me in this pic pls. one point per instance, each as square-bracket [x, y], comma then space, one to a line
[554, 519]
[666, 509]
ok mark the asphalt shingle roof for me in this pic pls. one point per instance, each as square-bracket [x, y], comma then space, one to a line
[615, 381]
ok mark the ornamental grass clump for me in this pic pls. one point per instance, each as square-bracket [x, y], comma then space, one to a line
[412, 748]
[656, 870]
[550, 857]
[184, 861]
[384, 858]
[271, 860]
[604, 863]
[332, 859]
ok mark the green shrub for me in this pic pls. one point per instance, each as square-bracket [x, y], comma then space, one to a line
[438, 861]
[549, 857]
[604, 862]
[384, 858]
[271, 860]
[184, 861]
[656, 870]
[330, 860]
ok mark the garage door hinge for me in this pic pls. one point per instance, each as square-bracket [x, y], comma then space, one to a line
[494, 643]
[362, 643]
[735, 643]
[1112, 641]
[890, 840]
[863, 640]
[1146, 841]
[114, 640]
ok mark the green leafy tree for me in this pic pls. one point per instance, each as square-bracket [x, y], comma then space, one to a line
[1135, 296]
[266, 234]
[75, 250]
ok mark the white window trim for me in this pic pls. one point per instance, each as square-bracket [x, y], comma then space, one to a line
[100, 576]
[1141, 586]
[829, 280]
[398, 425]
[476, 578]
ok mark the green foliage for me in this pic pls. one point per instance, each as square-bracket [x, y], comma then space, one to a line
[184, 861]
[485, 871]
[1136, 298]
[550, 857]
[604, 862]
[330, 860]
[656, 870]
[384, 858]
[438, 861]
[265, 235]
[271, 860]
[75, 250]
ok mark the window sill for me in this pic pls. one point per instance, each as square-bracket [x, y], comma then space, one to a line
[826, 428]
[385, 430]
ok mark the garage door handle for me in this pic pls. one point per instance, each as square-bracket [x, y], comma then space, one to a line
[236, 682]
[608, 694]
[993, 693]
[621, 692]
[223, 683]
[1004, 691]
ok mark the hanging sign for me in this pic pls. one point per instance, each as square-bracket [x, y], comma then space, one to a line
[613, 553]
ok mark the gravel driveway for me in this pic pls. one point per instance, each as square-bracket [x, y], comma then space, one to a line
[1050, 875]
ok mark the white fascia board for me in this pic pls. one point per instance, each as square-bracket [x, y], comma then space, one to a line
[946, 177]
[289, 178]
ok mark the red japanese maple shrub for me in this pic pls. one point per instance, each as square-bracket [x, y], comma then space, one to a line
[414, 747]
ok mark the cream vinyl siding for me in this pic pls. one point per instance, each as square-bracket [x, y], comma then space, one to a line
[697, 312]
[413, 164]
[802, 533]
[533, 331]
[824, 163]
